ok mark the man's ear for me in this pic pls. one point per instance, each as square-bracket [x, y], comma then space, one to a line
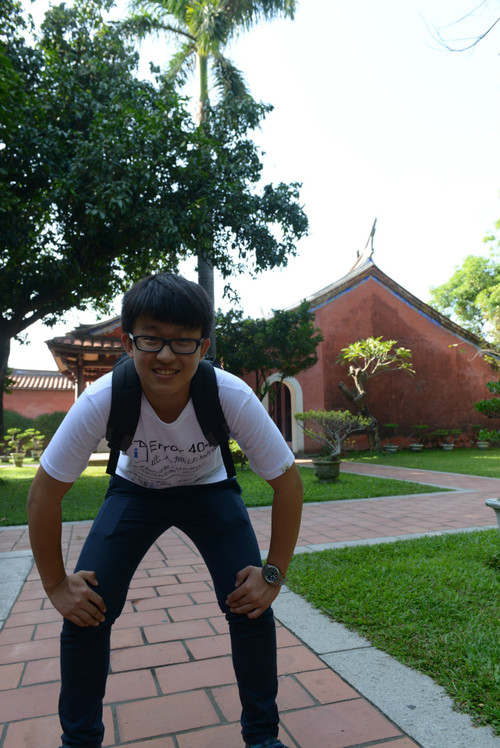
[127, 344]
[204, 347]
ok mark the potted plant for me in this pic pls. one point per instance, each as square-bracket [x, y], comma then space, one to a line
[486, 437]
[330, 428]
[35, 443]
[16, 440]
[391, 429]
[445, 437]
[495, 505]
[417, 437]
[453, 435]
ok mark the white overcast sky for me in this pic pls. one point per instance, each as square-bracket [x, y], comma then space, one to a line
[377, 120]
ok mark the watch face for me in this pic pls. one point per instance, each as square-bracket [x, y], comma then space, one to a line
[272, 574]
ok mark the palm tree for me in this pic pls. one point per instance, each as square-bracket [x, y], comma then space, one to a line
[202, 29]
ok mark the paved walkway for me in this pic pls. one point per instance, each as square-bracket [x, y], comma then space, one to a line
[172, 684]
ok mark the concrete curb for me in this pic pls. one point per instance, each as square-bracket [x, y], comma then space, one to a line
[411, 700]
[14, 569]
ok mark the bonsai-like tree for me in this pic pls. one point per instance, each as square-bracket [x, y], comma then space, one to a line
[367, 358]
[36, 439]
[16, 439]
[331, 427]
[490, 407]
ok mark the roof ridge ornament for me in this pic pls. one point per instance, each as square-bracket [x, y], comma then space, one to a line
[368, 250]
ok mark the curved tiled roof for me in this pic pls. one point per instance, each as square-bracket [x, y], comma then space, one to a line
[31, 379]
[365, 268]
[88, 352]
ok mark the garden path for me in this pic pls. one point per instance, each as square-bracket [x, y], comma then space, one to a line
[171, 683]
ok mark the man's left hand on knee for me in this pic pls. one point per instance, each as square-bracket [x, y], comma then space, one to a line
[252, 595]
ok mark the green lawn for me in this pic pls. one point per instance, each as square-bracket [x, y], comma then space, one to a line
[257, 492]
[462, 460]
[432, 603]
[85, 497]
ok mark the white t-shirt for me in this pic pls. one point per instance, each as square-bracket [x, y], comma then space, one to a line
[168, 454]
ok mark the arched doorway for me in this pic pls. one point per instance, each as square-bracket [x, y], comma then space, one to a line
[280, 404]
[288, 402]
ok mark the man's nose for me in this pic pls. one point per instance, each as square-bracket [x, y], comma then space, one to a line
[166, 353]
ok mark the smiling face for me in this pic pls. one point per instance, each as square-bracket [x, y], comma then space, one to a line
[165, 376]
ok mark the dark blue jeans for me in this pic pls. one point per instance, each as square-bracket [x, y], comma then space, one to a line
[130, 520]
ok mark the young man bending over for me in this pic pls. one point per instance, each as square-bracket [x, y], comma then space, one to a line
[165, 324]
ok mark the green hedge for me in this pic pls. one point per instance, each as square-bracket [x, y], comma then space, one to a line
[46, 423]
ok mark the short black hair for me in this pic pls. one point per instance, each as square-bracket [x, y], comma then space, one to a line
[166, 297]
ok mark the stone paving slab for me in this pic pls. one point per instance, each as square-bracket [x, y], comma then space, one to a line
[14, 568]
[411, 700]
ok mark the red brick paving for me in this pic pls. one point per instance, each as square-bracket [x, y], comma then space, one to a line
[171, 683]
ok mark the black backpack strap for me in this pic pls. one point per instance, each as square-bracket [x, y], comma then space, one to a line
[125, 410]
[228, 459]
[209, 413]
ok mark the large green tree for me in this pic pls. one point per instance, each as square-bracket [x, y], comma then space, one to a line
[92, 169]
[104, 178]
[201, 30]
[284, 343]
[472, 295]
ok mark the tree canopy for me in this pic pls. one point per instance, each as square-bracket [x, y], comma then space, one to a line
[104, 178]
[201, 29]
[284, 343]
[331, 427]
[472, 295]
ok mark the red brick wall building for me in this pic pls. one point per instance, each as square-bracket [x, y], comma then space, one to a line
[450, 373]
[34, 393]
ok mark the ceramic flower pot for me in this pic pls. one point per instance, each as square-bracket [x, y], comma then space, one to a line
[326, 469]
[495, 505]
[390, 448]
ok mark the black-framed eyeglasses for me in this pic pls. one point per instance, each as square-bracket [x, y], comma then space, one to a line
[153, 344]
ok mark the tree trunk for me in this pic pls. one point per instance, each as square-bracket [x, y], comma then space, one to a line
[206, 281]
[205, 269]
[373, 433]
[4, 359]
[357, 397]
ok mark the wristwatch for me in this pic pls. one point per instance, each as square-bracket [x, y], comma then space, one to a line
[273, 575]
